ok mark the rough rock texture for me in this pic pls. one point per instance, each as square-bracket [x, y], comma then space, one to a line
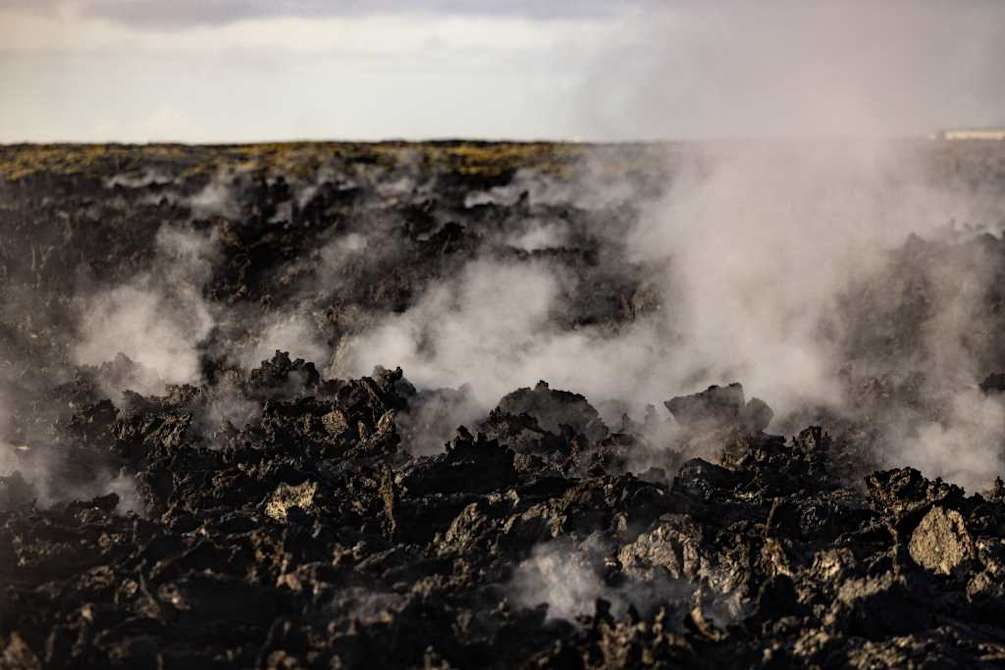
[277, 515]
[941, 542]
[293, 545]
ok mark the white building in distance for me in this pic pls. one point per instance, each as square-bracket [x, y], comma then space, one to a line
[973, 134]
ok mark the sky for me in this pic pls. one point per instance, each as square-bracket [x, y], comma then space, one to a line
[253, 70]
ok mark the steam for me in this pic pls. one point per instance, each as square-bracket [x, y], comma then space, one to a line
[294, 333]
[216, 198]
[158, 319]
[143, 335]
[337, 252]
[750, 260]
[539, 235]
[752, 248]
[762, 248]
[967, 446]
[568, 577]
[433, 417]
[229, 408]
[143, 179]
[759, 247]
[493, 328]
[32, 474]
[594, 186]
[755, 254]
[561, 577]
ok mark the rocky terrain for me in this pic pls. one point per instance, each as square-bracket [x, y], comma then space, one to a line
[196, 472]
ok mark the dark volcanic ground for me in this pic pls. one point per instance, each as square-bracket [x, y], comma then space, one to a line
[173, 494]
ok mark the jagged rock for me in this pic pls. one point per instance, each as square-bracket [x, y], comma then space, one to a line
[673, 546]
[470, 465]
[704, 480]
[286, 496]
[717, 405]
[17, 655]
[273, 517]
[876, 607]
[554, 409]
[941, 542]
[720, 407]
[290, 377]
[335, 422]
[906, 490]
[756, 416]
[993, 383]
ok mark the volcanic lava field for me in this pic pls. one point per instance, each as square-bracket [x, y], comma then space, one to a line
[494, 405]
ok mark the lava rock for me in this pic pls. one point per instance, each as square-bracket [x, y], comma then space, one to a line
[720, 407]
[554, 409]
[941, 542]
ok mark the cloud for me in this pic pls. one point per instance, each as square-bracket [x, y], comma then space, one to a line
[240, 71]
[180, 14]
[282, 78]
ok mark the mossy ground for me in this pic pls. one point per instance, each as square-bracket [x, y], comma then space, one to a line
[488, 159]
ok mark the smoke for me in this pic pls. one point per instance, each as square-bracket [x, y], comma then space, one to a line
[561, 577]
[433, 417]
[35, 474]
[157, 319]
[493, 327]
[216, 198]
[137, 180]
[581, 188]
[337, 252]
[754, 247]
[966, 446]
[757, 248]
[294, 333]
[538, 235]
[569, 578]
[227, 407]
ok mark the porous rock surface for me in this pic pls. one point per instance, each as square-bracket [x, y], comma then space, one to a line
[312, 533]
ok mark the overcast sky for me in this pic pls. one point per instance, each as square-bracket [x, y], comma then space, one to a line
[231, 70]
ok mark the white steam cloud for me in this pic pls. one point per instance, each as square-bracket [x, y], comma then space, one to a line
[492, 327]
[158, 319]
[538, 235]
[216, 198]
[761, 245]
[755, 246]
[32, 476]
[561, 577]
[966, 447]
[293, 333]
[566, 577]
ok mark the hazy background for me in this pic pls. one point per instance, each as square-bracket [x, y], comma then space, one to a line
[223, 70]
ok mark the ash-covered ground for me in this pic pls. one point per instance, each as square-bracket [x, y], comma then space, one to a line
[479, 405]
